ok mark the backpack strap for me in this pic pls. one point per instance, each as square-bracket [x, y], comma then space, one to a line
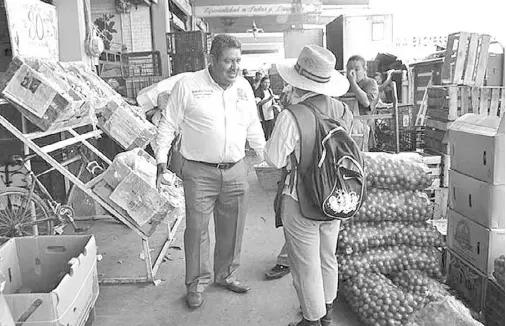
[306, 122]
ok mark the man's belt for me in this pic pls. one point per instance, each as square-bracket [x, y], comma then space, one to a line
[221, 166]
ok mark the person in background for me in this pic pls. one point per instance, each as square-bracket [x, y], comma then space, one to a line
[257, 81]
[366, 93]
[215, 112]
[265, 103]
[311, 244]
[384, 86]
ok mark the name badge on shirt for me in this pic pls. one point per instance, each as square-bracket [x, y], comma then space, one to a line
[202, 94]
[241, 95]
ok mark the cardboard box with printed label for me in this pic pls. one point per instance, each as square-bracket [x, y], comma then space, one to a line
[477, 244]
[131, 179]
[469, 282]
[479, 201]
[127, 125]
[477, 147]
[55, 274]
[44, 98]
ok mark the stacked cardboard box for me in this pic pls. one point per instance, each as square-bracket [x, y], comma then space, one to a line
[476, 222]
[129, 186]
[54, 95]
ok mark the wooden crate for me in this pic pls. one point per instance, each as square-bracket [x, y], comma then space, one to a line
[470, 283]
[447, 103]
[494, 304]
[444, 166]
[434, 163]
[465, 59]
[421, 73]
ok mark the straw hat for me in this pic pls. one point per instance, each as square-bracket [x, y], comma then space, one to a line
[314, 71]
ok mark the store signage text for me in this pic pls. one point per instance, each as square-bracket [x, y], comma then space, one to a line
[258, 10]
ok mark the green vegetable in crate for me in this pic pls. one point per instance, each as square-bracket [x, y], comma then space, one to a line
[499, 270]
[388, 260]
[394, 205]
[378, 301]
[396, 171]
[361, 236]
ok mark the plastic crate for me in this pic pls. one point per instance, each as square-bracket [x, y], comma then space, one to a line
[410, 137]
[188, 62]
[494, 304]
[143, 64]
[188, 42]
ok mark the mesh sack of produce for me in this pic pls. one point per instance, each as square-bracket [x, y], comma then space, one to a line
[389, 260]
[420, 283]
[447, 311]
[397, 171]
[394, 205]
[438, 307]
[362, 236]
[378, 301]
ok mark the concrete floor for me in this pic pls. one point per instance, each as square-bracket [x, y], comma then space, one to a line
[268, 303]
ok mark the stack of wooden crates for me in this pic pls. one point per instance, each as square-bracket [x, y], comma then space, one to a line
[476, 214]
[458, 89]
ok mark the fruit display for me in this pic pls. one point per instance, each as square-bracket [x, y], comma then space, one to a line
[499, 270]
[378, 301]
[388, 260]
[394, 171]
[362, 236]
[394, 205]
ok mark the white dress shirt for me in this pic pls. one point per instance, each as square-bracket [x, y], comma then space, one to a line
[214, 123]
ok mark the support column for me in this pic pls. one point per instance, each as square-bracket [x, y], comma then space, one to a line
[160, 25]
[72, 29]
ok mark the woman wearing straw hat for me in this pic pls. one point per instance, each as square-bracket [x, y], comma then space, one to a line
[311, 244]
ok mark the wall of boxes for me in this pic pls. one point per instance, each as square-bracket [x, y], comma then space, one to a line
[476, 214]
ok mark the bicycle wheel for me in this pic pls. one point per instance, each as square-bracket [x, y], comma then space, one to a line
[17, 209]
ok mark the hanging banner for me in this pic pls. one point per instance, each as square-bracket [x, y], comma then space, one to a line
[313, 7]
[33, 28]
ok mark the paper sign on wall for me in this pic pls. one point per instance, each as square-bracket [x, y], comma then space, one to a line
[33, 28]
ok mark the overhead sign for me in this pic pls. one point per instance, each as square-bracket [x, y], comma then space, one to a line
[258, 10]
[33, 28]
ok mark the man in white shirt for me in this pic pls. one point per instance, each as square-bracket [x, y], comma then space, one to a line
[216, 113]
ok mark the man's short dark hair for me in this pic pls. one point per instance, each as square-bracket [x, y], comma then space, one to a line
[222, 42]
[357, 58]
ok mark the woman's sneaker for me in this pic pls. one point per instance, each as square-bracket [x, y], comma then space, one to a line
[276, 272]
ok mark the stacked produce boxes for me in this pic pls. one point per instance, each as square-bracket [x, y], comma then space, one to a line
[476, 221]
[458, 90]
[388, 254]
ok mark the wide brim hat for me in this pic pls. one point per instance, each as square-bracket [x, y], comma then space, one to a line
[314, 71]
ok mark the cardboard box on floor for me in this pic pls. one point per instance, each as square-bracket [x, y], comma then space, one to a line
[477, 244]
[477, 147]
[5, 313]
[479, 201]
[61, 271]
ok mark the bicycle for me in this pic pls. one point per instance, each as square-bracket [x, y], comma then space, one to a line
[25, 212]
